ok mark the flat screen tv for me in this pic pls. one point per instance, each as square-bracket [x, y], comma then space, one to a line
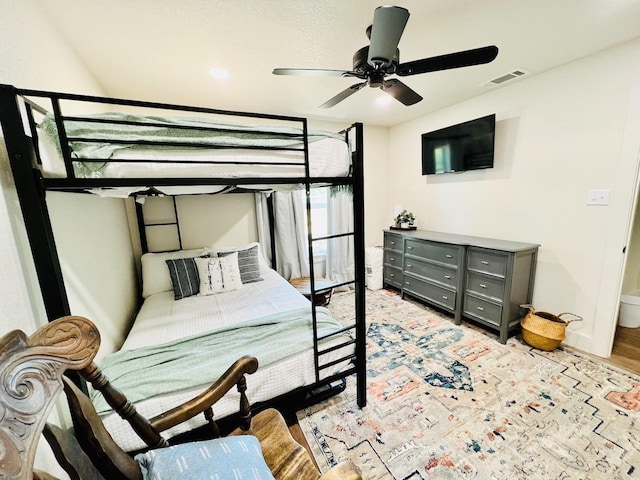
[465, 146]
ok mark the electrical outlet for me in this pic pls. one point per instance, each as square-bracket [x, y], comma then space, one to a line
[598, 197]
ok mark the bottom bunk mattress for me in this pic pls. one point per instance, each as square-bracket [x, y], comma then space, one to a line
[177, 348]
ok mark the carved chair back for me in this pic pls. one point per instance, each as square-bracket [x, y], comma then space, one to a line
[31, 370]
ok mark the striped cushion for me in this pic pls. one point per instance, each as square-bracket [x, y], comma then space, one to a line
[238, 457]
[248, 263]
[184, 277]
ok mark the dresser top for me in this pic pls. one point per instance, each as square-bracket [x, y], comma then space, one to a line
[468, 240]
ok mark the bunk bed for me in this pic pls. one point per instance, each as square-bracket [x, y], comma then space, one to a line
[185, 150]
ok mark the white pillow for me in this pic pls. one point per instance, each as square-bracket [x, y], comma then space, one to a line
[218, 274]
[265, 266]
[155, 273]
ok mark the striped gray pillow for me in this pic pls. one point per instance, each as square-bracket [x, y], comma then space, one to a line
[248, 263]
[184, 277]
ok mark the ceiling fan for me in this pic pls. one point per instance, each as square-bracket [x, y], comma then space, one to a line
[374, 63]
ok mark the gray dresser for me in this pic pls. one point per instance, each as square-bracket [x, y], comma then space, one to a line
[480, 279]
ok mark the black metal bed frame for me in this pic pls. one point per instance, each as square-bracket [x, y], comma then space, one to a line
[16, 111]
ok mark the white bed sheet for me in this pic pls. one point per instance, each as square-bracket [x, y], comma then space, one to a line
[162, 319]
[328, 157]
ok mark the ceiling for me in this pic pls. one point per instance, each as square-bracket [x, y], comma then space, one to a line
[162, 50]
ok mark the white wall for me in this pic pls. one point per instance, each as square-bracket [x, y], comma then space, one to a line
[376, 167]
[205, 220]
[97, 261]
[558, 134]
[379, 161]
[33, 56]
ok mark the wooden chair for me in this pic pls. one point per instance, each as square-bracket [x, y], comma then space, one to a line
[31, 377]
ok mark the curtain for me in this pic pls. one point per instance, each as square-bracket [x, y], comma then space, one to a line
[340, 251]
[292, 254]
[292, 251]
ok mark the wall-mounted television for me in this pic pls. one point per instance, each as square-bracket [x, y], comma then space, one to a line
[457, 148]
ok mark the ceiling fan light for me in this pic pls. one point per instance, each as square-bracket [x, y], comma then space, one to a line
[218, 73]
[384, 101]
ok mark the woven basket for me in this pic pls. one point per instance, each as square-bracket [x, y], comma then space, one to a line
[543, 330]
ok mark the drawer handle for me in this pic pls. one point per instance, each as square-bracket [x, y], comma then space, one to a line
[480, 308]
[393, 243]
[448, 256]
[392, 275]
[392, 259]
[410, 247]
[484, 262]
[447, 277]
[482, 285]
[407, 283]
[408, 265]
[445, 297]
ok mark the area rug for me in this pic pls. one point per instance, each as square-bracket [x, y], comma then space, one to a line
[451, 402]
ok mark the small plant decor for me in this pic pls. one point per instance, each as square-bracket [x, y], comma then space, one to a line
[405, 219]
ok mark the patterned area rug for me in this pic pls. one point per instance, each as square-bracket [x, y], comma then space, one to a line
[451, 402]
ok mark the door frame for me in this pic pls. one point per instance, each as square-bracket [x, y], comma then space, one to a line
[606, 314]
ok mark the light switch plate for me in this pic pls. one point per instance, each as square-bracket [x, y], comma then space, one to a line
[598, 197]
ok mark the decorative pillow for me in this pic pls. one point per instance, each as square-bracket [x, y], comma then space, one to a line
[248, 263]
[155, 275]
[184, 277]
[218, 274]
[262, 261]
[229, 457]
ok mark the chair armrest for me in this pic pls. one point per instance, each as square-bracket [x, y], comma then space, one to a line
[40, 475]
[199, 404]
[343, 471]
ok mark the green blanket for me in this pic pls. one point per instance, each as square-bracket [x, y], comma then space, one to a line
[200, 360]
[170, 129]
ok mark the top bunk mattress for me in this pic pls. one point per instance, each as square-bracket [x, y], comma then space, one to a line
[115, 145]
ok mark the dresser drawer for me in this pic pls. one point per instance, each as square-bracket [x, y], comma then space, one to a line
[433, 271]
[485, 285]
[393, 276]
[393, 242]
[393, 259]
[489, 261]
[482, 309]
[438, 252]
[438, 295]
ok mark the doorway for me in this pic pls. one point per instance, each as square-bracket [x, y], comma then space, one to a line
[626, 343]
[623, 276]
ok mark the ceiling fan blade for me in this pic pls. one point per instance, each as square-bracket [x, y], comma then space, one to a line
[387, 28]
[466, 58]
[342, 95]
[401, 92]
[314, 72]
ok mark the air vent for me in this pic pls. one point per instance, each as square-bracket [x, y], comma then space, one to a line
[507, 77]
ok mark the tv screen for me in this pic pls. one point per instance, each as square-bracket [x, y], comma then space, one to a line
[465, 146]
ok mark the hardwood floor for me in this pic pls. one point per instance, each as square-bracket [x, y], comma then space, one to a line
[626, 349]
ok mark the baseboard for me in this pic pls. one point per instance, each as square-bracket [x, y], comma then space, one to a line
[580, 341]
